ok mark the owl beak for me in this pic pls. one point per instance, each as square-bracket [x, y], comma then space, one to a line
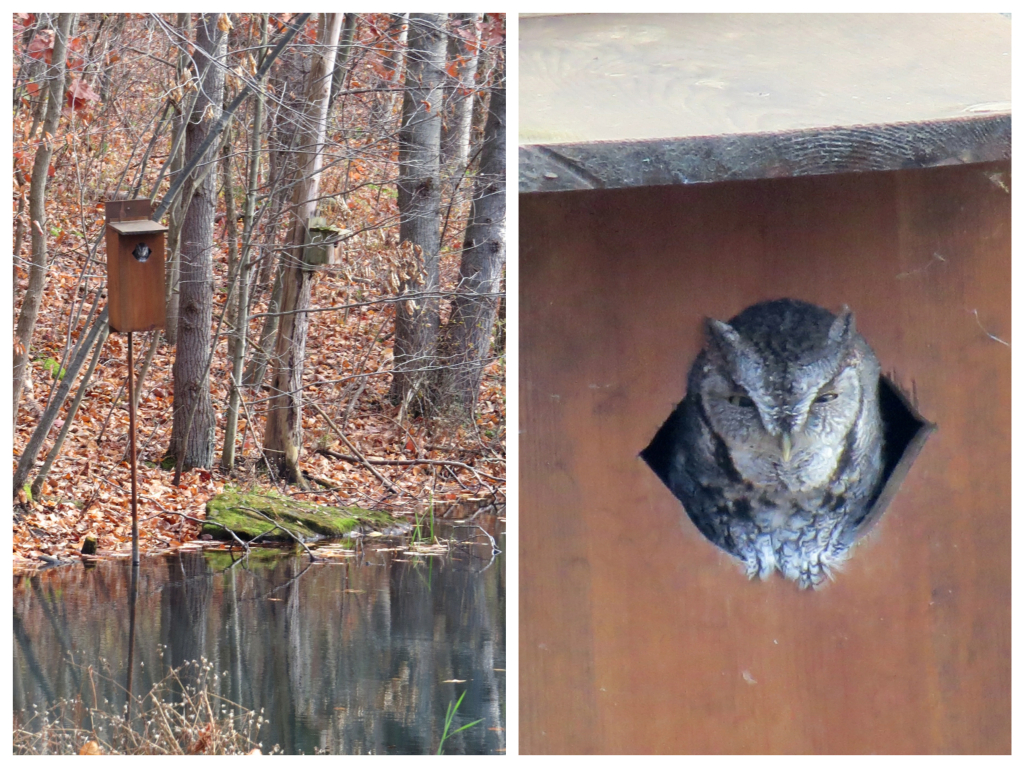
[787, 446]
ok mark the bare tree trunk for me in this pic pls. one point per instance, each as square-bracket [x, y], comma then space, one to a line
[27, 460]
[19, 226]
[485, 66]
[38, 71]
[192, 434]
[344, 53]
[398, 32]
[463, 52]
[242, 304]
[257, 367]
[69, 417]
[177, 162]
[37, 209]
[28, 71]
[283, 437]
[281, 140]
[230, 230]
[419, 204]
[466, 339]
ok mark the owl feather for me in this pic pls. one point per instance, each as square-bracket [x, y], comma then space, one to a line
[776, 452]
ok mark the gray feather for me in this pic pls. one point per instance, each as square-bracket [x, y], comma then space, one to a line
[782, 377]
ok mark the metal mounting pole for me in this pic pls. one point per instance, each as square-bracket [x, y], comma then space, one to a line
[131, 440]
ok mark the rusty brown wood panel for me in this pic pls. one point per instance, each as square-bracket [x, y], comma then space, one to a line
[135, 290]
[637, 635]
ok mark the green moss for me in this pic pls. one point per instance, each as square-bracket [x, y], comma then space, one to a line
[259, 558]
[304, 519]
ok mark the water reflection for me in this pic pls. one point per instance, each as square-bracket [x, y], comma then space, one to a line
[353, 655]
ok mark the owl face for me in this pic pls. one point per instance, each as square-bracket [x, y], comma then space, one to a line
[783, 406]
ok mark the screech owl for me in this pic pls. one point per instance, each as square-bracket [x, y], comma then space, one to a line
[776, 452]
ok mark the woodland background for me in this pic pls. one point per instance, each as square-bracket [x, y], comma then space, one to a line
[377, 380]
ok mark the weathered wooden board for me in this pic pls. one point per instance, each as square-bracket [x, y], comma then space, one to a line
[633, 100]
[638, 635]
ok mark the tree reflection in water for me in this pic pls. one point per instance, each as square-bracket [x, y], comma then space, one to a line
[352, 655]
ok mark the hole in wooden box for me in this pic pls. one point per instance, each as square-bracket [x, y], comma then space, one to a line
[141, 252]
[905, 434]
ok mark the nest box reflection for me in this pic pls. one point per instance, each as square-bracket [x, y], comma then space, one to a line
[141, 252]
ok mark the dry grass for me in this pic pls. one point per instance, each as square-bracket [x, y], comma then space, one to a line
[173, 718]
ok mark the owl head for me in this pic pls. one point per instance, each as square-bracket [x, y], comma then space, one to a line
[782, 384]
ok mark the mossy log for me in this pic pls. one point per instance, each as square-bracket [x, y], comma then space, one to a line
[305, 520]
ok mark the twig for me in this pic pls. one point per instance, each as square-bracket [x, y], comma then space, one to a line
[263, 454]
[278, 525]
[165, 511]
[321, 481]
[365, 380]
[360, 457]
[409, 462]
[408, 434]
[282, 41]
[494, 545]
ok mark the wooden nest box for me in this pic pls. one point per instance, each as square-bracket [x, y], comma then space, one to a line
[135, 267]
[321, 242]
[674, 167]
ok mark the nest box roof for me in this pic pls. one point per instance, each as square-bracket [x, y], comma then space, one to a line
[137, 227]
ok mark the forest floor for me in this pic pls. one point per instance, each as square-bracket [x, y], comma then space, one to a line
[88, 490]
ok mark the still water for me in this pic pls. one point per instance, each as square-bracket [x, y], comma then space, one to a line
[357, 654]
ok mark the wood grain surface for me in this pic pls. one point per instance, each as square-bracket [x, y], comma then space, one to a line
[639, 636]
[135, 290]
[614, 100]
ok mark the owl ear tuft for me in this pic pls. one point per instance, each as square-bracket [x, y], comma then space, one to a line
[723, 340]
[843, 328]
[721, 335]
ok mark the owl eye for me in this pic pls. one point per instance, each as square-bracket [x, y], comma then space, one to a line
[741, 400]
[827, 397]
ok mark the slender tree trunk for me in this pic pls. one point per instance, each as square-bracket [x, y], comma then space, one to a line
[289, 85]
[344, 53]
[38, 71]
[230, 232]
[398, 32]
[37, 209]
[485, 66]
[279, 145]
[192, 435]
[19, 226]
[178, 209]
[242, 304]
[257, 367]
[27, 71]
[463, 52]
[419, 205]
[280, 141]
[466, 339]
[283, 438]
[69, 417]
[27, 460]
